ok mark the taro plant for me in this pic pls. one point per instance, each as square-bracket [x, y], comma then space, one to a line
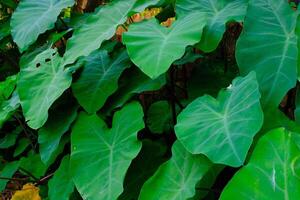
[142, 100]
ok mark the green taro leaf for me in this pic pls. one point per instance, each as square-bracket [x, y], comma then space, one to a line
[61, 185]
[153, 48]
[159, 117]
[223, 128]
[50, 135]
[176, 179]
[8, 171]
[39, 87]
[98, 27]
[32, 18]
[268, 45]
[99, 79]
[272, 172]
[7, 87]
[8, 107]
[219, 12]
[101, 156]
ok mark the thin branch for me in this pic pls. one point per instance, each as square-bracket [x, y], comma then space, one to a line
[39, 182]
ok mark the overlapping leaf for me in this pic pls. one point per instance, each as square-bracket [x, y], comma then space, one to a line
[32, 18]
[153, 48]
[272, 172]
[219, 12]
[39, 87]
[268, 45]
[177, 178]
[100, 156]
[223, 128]
[99, 79]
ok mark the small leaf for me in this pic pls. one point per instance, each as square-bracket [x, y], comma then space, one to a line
[32, 18]
[33, 164]
[223, 128]
[7, 108]
[273, 169]
[176, 178]
[10, 138]
[8, 171]
[99, 79]
[22, 144]
[153, 48]
[100, 156]
[61, 184]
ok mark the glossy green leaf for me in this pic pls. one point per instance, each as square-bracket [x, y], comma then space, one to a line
[99, 79]
[223, 128]
[268, 45]
[159, 117]
[8, 171]
[153, 48]
[100, 156]
[61, 185]
[176, 178]
[7, 87]
[98, 27]
[152, 154]
[218, 12]
[50, 135]
[43, 84]
[32, 18]
[272, 172]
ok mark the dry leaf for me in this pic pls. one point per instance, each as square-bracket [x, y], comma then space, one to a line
[28, 192]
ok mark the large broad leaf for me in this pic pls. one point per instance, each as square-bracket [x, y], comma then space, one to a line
[39, 87]
[99, 79]
[101, 156]
[50, 135]
[177, 178]
[268, 45]
[98, 27]
[223, 128]
[61, 185]
[32, 18]
[219, 12]
[153, 48]
[273, 171]
[153, 154]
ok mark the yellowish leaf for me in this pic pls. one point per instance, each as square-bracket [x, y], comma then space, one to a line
[28, 192]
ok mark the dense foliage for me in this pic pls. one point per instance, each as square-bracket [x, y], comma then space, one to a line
[160, 99]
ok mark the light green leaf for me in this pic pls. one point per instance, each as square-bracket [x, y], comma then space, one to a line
[153, 48]
[100, 156]
[50, 135]
[273, 171]
[98, 27]
[159, 117]
[177, 178]
[8, 171]
[32, 18]
[7, 87]
[61, 185]
[223, 128]
[218, 12]
[39, 87]
[268, 45]
[8, 107]
[99, 79]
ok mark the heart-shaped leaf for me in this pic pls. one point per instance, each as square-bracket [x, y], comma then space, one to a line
[43, 84]
[100, 156]
[99, 79]
[268, 45]
[32, 18]
[219, 12]
[223, 128]
[176, 179]
[153, 48]
[273, 171]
